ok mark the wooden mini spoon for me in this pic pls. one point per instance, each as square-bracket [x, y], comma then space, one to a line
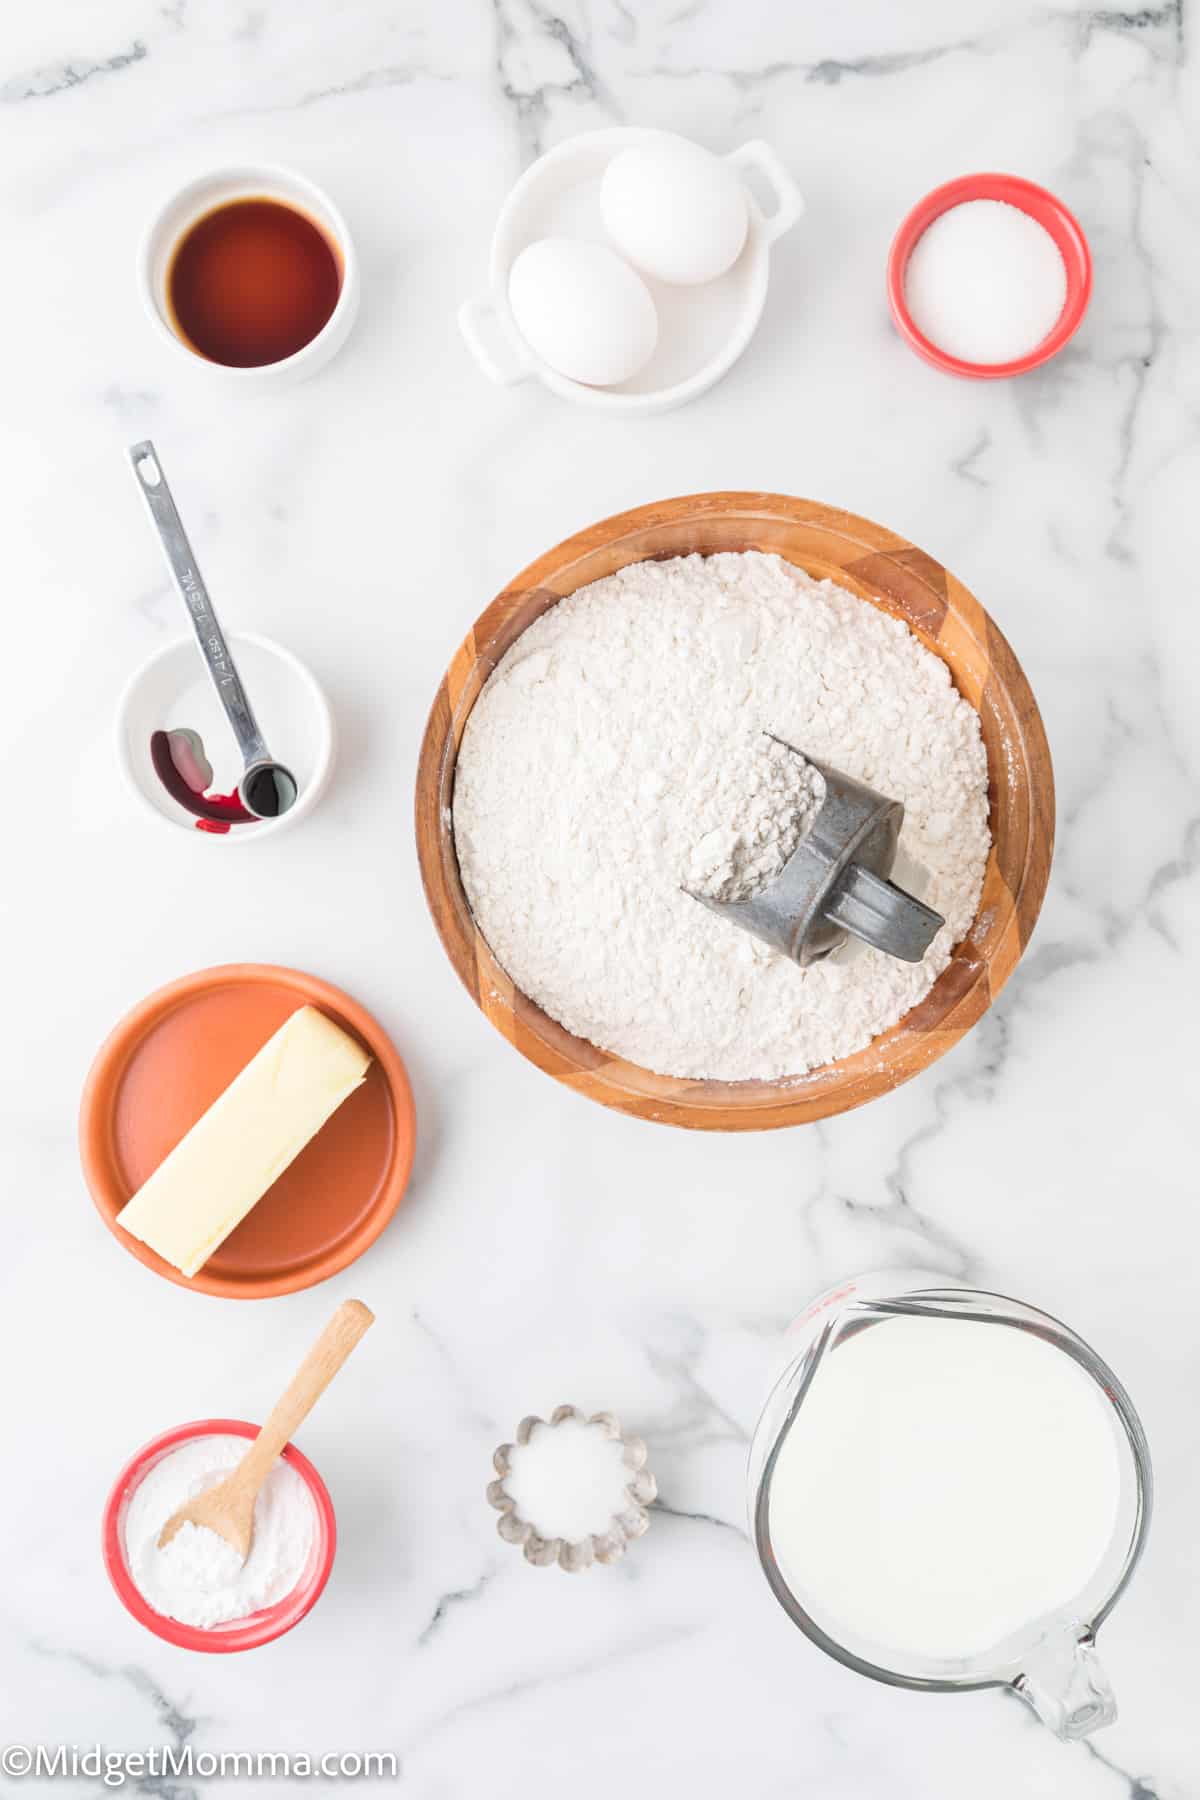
[228, 1508]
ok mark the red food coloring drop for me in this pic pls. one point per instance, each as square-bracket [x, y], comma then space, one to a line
[213, 812]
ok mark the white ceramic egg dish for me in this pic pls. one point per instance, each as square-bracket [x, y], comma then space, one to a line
[703, 326]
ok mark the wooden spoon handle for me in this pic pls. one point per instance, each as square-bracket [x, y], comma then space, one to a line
[314, 1375]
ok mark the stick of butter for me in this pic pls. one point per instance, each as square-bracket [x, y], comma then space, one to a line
[245, 1140]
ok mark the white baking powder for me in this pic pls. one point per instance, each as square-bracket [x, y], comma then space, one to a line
[198, 1578]
[985, 282]
[586, 778]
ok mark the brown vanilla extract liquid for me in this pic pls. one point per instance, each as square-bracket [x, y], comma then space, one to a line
[252, 282]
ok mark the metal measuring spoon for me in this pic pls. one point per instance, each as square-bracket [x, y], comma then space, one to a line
[267, 789]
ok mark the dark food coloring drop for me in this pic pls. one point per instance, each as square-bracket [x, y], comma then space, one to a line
[179, 762]
[271, 791]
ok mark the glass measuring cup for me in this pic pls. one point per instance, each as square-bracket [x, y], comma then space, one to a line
[1051, 1661]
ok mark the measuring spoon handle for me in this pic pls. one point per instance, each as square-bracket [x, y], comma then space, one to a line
[348, 1324]
[190, 582]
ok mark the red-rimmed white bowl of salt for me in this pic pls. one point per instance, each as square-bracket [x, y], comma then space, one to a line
[989, 276]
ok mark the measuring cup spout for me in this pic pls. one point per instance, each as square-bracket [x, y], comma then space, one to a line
[1065, 1683]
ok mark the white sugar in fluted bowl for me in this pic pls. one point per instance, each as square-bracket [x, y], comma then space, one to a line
[628, 1521]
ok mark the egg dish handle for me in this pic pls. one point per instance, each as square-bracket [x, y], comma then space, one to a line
[485, 332]
[789, 202]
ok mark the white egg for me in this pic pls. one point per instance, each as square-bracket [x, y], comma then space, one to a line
[675, 210]
[583, 310]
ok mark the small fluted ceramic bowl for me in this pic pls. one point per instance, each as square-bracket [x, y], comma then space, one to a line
[624, 1526]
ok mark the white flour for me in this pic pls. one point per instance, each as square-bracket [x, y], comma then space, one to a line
[198, 1578]
[588, 775]
[752, 813]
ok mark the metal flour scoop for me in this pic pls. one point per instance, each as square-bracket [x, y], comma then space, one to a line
[836, 881]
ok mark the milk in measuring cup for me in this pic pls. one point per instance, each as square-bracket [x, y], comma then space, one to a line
[943, 1483]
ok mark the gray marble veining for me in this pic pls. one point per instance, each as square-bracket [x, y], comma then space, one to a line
[548, 1248]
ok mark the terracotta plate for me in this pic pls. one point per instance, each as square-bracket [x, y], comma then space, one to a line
[170, 1058]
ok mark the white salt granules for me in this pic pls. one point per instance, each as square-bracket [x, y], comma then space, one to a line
[569, 1481]
[580, 800]
[985, 282]
[198, 1578]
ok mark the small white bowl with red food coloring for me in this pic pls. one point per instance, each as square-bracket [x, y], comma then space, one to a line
[172, 693]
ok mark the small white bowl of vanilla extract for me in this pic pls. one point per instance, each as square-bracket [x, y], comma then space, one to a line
[251, 272]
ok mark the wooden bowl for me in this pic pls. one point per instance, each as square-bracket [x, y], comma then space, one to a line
[890, 573]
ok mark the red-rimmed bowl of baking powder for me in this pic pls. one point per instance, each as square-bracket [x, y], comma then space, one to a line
[261, 1627]
[1041, 206]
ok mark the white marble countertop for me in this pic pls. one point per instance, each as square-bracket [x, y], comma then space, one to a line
[550, 1250]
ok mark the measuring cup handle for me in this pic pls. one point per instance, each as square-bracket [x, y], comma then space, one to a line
[882, 914]
[1065, 1683]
